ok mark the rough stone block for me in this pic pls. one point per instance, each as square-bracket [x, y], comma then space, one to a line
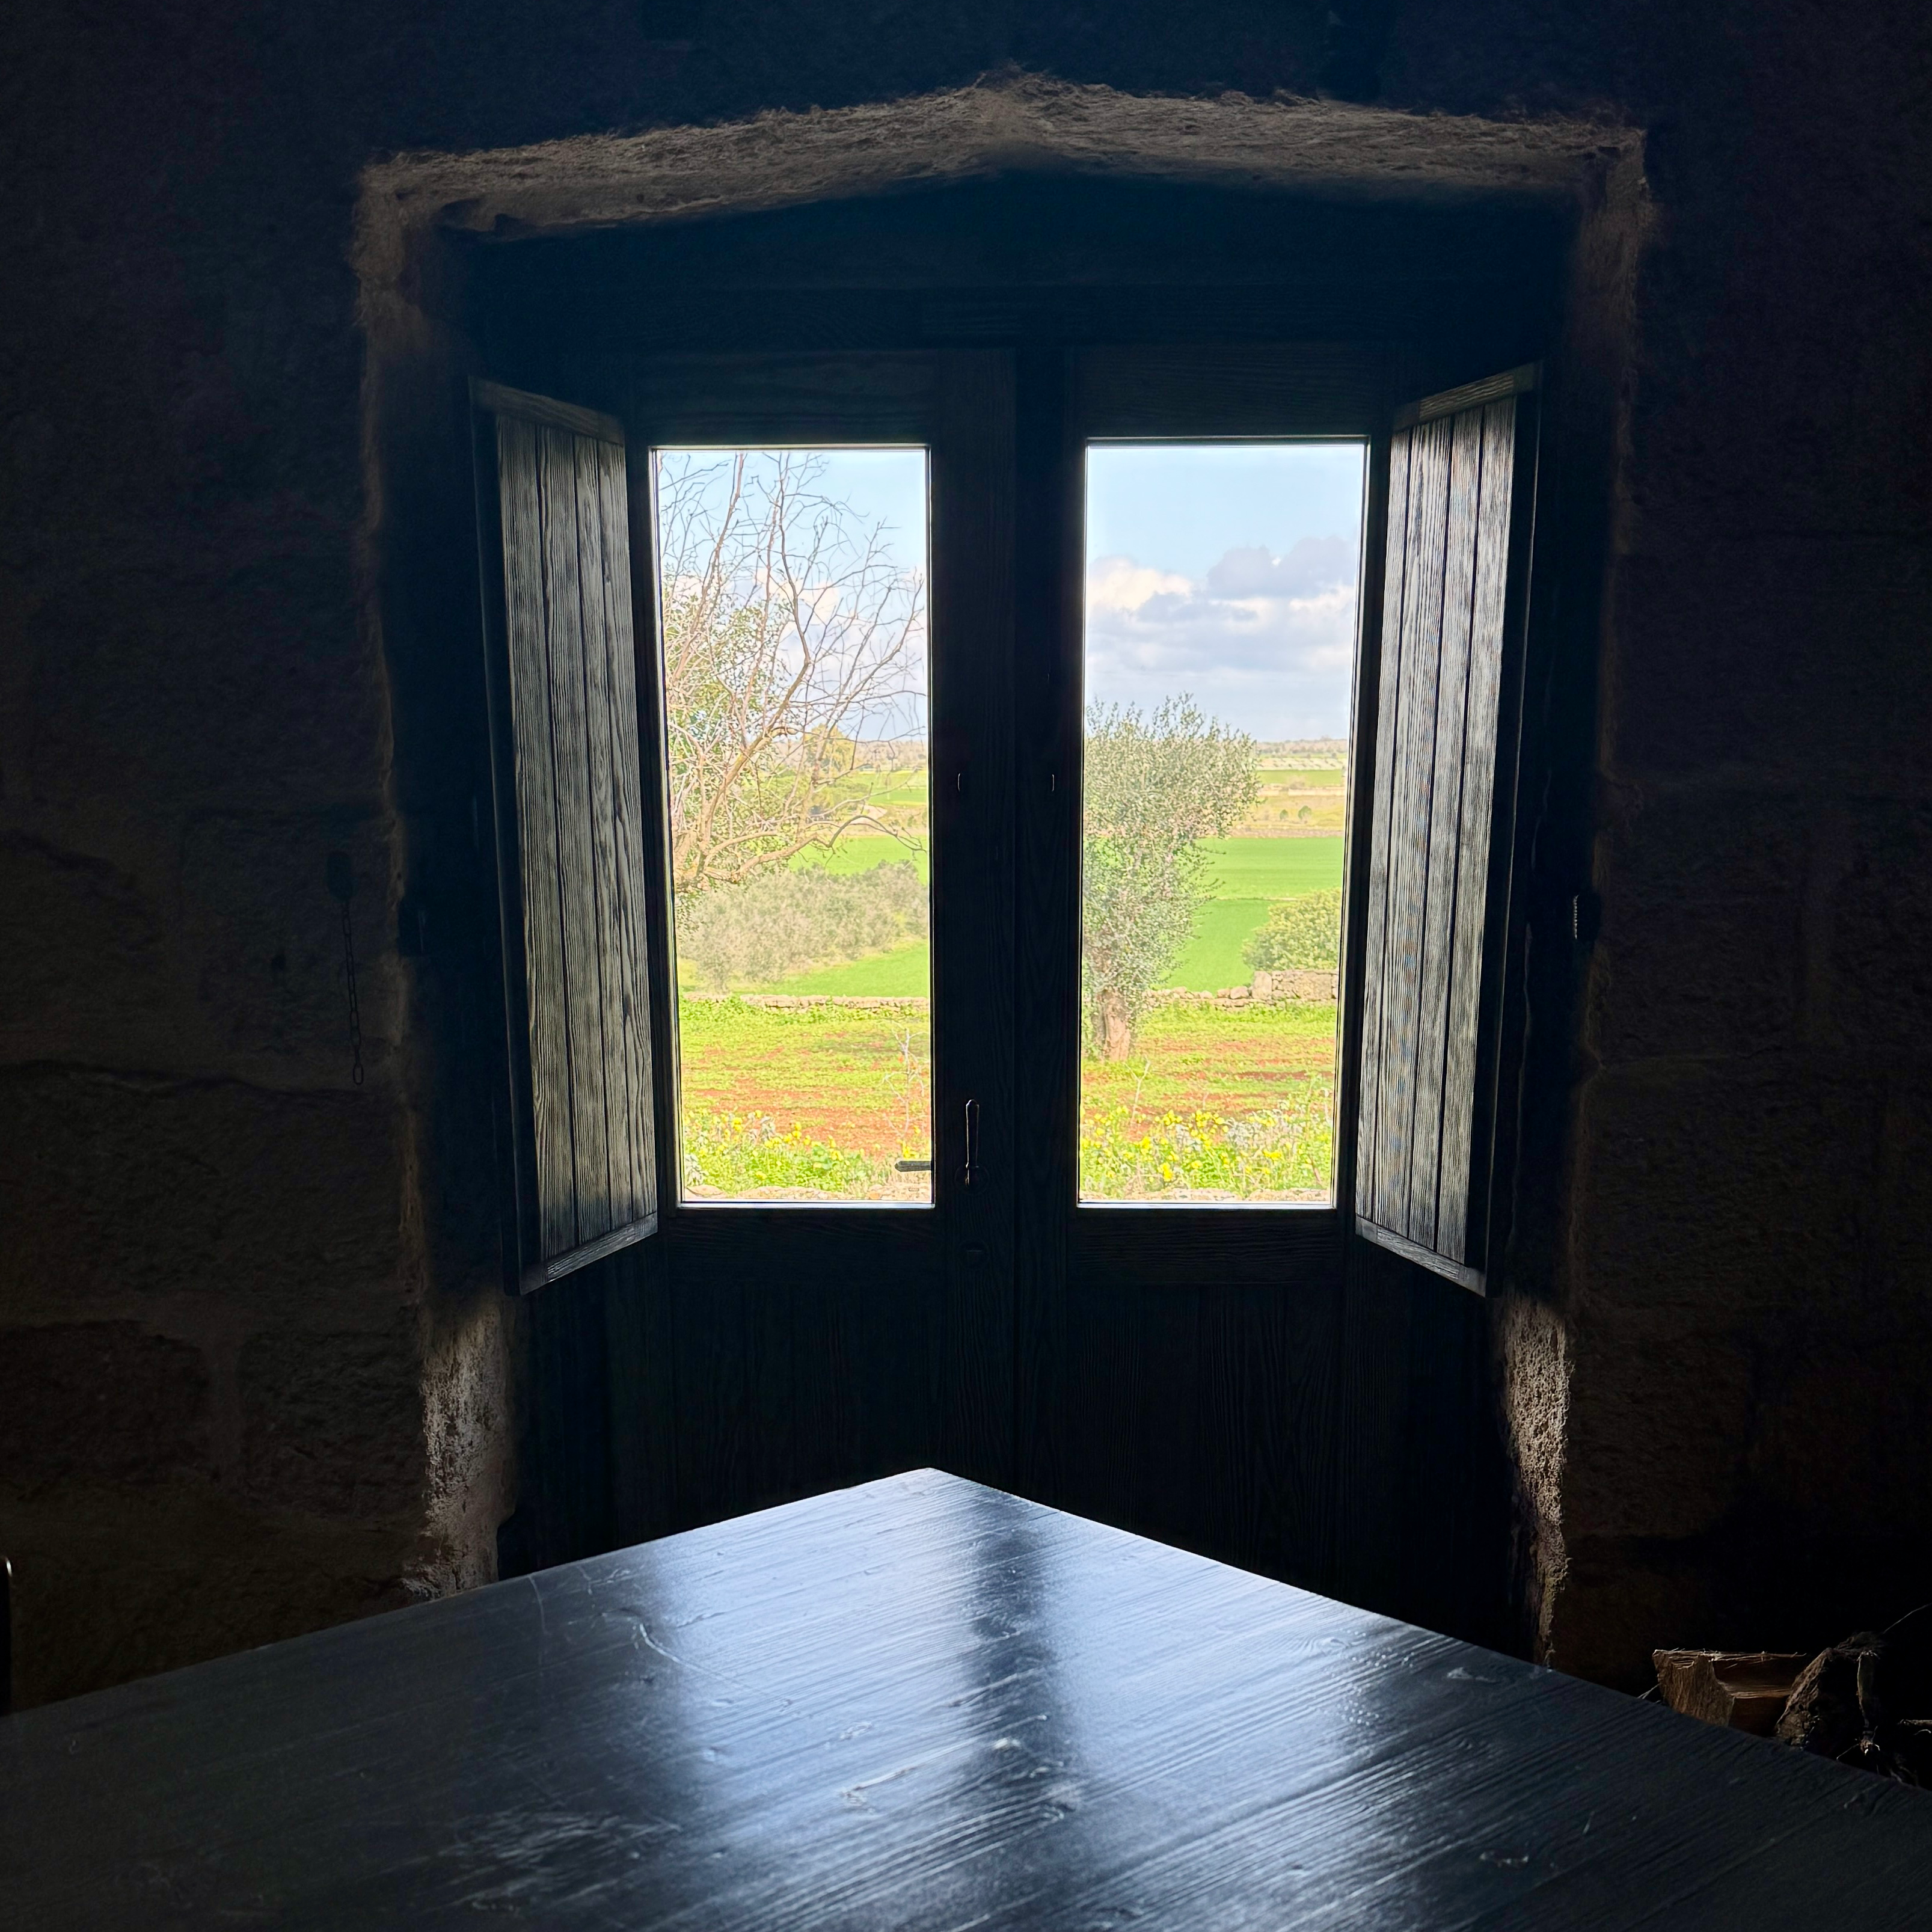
[210, 677]
[1800, 658]
[64, 907]
[333, 1424]
[110, 1584]
[1843, 1434]
[103, 1400]
[1703, 841]
[267, 939]
[1660, 1412]
[1621, 1599]
[120, 1189]
[1733, 1186]
[1696, 976]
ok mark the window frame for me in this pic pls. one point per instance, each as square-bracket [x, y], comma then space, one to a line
[1287, 391]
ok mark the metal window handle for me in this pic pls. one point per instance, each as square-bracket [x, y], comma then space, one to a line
[972, 1167]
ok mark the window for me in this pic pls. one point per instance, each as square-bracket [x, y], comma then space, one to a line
[870, 668]
[792, 602]
[1218, 657]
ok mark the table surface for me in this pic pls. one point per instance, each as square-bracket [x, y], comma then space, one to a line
[921, 1703]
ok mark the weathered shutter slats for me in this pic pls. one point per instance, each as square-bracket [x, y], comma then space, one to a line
[1438, 971]
[1488, 597]
[1389, 686]
[556, 469]
[527, 627]
[586, 1161]
[1433, 946]
[1414, 755]
[631, 1006]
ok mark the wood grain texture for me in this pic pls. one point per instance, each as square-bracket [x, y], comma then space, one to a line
[1375, 974]
[535, 409]
[527, 625]
[1474, 945]
[1422, 1252]
[577, 891]
[1439, 963]
[1169, 391]
[628, 1011]
[1136, 1247]
[571, 686]
[971, 707]
[752, 400]
[1428, 977]
[618, 1182]
[922, 1703]
[1408, 818]
[1049, 549]
[1469, 396]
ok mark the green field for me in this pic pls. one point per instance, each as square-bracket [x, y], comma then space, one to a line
[861, 855]
[1248, 875]
[1213, 959]
[816, 1102]
[1272, 869]
[904, 972]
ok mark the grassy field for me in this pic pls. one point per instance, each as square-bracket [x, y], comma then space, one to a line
[1273, 868]
[818, 1103]
[861, 855]
[1249, 874]
[817, 1100]
[1212, 1105]
[904, 972]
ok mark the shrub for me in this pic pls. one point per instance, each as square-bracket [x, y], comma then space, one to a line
[787, 921]
[736, 1157]
[1302, 934]
[1285, 1151]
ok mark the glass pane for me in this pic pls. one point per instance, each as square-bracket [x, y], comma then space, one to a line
[1220, 646]
[792, 590]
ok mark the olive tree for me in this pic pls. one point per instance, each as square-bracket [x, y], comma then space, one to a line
[1153, 788]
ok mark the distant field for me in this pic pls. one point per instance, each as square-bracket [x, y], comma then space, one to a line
[906, 971]
[1300, 781]
[1273, 868]
[861, 855]
[1213, 959]
[1249, 874]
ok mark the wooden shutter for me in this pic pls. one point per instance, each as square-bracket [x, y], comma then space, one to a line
[554, 520]
[1461, 481]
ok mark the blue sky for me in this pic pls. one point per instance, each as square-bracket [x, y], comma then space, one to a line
[882, 492]
[1226, 570]
[885, 486]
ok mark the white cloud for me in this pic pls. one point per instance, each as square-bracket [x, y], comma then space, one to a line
[1267, 642]
[1119, 584]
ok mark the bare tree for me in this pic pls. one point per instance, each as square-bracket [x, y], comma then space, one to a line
[791, 636]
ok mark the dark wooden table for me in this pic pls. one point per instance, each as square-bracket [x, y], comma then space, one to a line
[920, 1703]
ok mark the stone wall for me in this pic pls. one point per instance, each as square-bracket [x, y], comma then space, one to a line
[254, 1373]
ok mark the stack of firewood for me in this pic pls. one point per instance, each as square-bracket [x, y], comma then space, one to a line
[1866, 1701]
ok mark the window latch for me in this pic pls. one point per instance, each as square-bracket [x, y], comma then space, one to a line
[970, 1172]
